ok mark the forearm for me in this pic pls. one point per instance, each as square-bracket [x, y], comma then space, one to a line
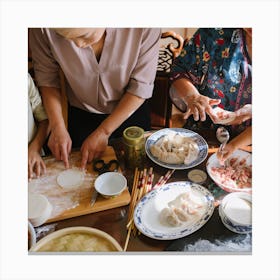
[243, 139]
[185, 89]
[52, 104]
[126, 107]
[42, 133]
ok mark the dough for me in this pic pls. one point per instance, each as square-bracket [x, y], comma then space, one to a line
[219, 112]
[239, 210]
[70, 178]
[39, 209]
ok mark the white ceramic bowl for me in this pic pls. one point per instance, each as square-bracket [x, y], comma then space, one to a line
[110, 184]
[77, 239]
[235, 212]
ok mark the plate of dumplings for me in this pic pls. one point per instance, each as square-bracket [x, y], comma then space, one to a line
[176, 148]
[174, 210]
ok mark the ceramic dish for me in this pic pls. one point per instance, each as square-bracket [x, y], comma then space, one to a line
[77, 239]
[230, 185]
[148, 209]
[202, 146]
[235, 212]
[197, 176]
[110, 184]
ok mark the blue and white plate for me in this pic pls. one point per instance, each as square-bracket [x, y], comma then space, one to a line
[202, 146]
[147, 211]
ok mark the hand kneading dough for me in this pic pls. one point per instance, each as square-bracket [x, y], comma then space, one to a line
[70, 178]
[39, 209]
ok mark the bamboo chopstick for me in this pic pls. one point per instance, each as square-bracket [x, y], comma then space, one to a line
[163, 179]
[142, 184]
[134, 194]
[127, 239]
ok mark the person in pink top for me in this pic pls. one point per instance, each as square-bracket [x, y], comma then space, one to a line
[109, 77]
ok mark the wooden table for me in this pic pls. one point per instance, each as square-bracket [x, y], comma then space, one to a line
[113, 221]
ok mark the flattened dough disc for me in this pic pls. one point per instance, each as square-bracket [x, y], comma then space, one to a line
[70, 178]
[230, 118]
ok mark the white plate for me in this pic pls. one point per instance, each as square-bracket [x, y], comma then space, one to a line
[202, 145]
[214, 162]
[147, 211]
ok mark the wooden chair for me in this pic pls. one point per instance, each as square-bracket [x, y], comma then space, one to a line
[161, 105]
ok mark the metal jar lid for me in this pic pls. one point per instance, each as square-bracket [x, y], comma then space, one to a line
[133, 135]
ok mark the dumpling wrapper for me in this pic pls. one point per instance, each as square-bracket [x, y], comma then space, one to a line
[230, 118]
[70, 178]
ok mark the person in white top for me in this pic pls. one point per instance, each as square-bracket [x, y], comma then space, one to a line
[37, 131]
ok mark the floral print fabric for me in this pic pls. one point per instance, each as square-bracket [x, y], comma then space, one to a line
[216, 61]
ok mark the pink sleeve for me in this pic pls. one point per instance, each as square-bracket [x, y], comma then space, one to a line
[45, 66]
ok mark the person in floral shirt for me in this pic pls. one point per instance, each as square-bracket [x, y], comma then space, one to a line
[215, 69]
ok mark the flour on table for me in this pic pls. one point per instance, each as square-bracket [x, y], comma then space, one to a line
[60, 198]
[240, 243]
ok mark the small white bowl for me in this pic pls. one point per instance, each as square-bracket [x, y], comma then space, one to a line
[197, 176]
[110, 184]
[235, 212]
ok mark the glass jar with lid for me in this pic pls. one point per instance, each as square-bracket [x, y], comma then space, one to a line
[134, 146]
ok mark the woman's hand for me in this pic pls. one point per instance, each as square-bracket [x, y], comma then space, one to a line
[35, 163]
[243, 114]
[93, 146]
[200, 105]
[226, 153]
[60, 144]
[241, 140]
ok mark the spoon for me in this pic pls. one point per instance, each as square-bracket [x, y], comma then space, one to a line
[223, 136]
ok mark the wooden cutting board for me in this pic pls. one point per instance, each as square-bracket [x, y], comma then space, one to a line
[80, 199]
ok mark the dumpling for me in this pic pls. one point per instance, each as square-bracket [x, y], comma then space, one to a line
[155, 150]
[172, 158]
[167, 215]
[181, 214]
